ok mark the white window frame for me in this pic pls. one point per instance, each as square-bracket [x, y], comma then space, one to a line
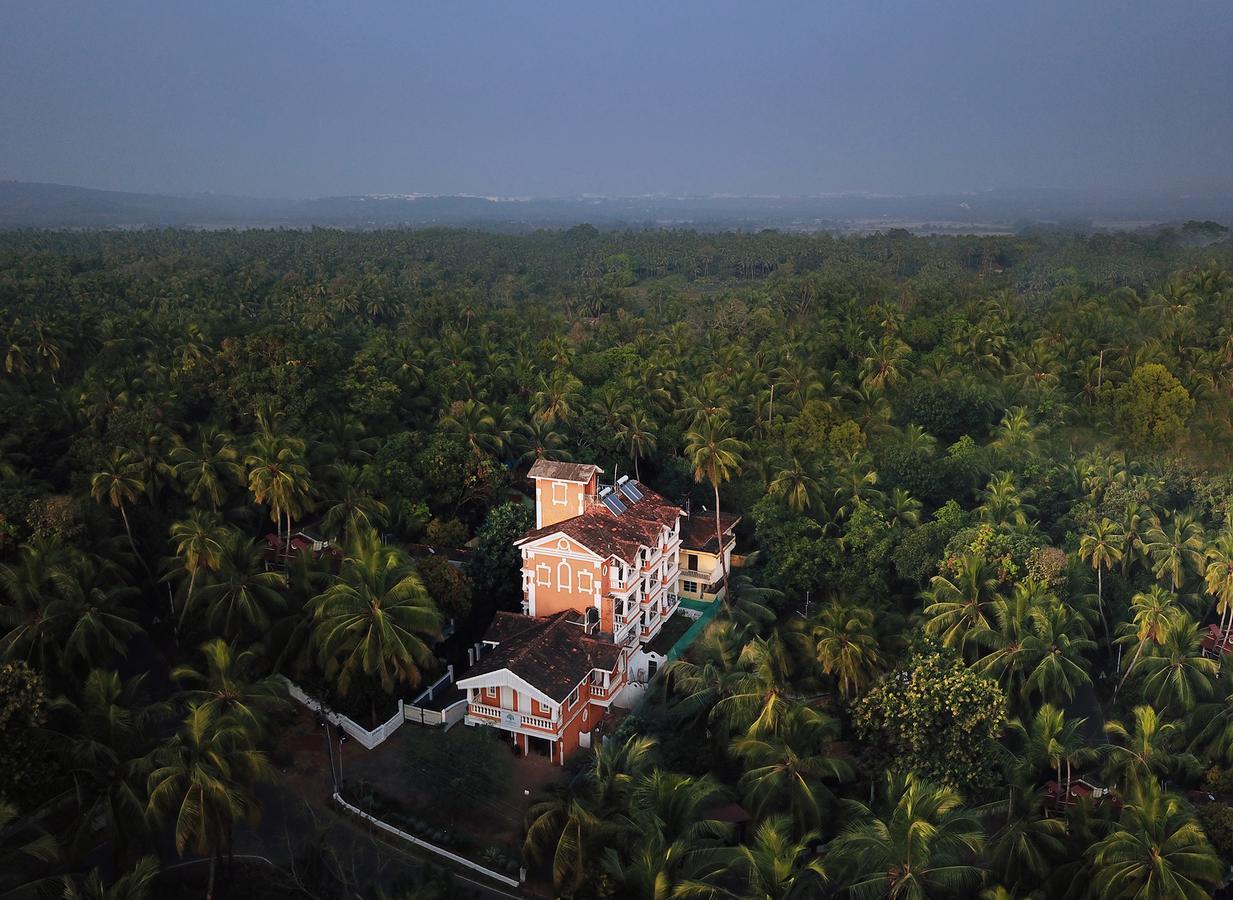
[573, 698]
[560, 487]
[543, 575]
[565, 577]
[586, 582]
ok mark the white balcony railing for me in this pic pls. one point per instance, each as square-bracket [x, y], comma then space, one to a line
[510, 717]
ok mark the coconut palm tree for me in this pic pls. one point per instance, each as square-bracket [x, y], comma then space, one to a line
[120, 483]
[198, 540]
[27, 853]
[572, 826]
[1145, 752]
[1176, 549]
[797, 483]
[637, 435]
[923, 843]
[228, 689]
[1214, 740]
[135, 884]
[776, 864]
[1157, 851]
[538, 440]
[1177, 674]
[69, 612]
[716, 457]
[1028, 844]
[353, 505]
[1218, 576]
[278, 475]
[1135, 525]
[105, 749]
[1102, 548]
[846, 645]
[1152, 611]
[202, 783]
[1051, 741]
[209, 468]
[787, 771]
[241, 593]
[1002, 502]
[902, 509]
[1056, 646]
[677, 849]
[759, 693]
[961, 606]
[375, 618]
[475, 425]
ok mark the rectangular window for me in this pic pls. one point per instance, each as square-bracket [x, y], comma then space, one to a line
[691, 587]
[586, 582]
[693, 561]
[559, 493]
[573, 698]
[543, 575]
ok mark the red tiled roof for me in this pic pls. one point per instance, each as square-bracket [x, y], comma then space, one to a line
[553, 654]
[698, 530]
[1214, 639]
[563, 471]
[600, 531]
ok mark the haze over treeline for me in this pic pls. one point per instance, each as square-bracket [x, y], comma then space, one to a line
[288, 100]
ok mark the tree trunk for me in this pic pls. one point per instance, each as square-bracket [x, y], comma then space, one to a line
[723, 558]
[132, 543]
[1129, 668]
[188, 601]
[209, 894]
[1100, 602]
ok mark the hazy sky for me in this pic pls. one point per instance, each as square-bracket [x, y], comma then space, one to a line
[533, 98]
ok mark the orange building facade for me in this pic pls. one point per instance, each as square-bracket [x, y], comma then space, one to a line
[599, 580]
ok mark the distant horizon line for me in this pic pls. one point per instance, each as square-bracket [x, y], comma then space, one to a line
[1098, 191]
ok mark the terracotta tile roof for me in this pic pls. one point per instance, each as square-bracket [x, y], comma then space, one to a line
[599, 530]
[698, 530]
[563, 471]
[552, 654]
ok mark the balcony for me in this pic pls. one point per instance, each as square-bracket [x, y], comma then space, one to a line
[509, 718]
[601, 694]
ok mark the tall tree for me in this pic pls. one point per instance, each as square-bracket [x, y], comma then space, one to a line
[716, 457]
[924, 843]
[198, 541]
[376, 618]
[1157, 851]
[1102, 548]
[120, 483]
[202, 784]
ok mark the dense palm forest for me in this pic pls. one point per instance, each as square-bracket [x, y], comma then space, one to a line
[987, 503]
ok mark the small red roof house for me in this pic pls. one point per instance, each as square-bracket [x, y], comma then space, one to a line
[1215, 642]
[546, 682]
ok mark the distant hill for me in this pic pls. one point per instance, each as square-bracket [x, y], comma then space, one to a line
[27, 204]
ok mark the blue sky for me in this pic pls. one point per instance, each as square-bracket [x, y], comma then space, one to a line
[291, 99]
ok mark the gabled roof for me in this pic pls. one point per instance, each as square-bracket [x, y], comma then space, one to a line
[553, 655]
[563, 471]
[698, 530]
[602, 532]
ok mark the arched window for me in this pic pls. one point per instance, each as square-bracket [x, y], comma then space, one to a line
[565, 577]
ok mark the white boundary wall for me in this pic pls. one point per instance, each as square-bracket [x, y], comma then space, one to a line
[431, 848]
[366, 738]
